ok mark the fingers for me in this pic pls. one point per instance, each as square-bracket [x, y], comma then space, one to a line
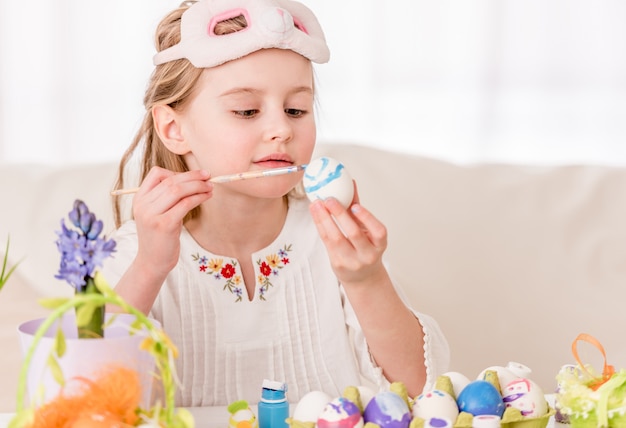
[354, 238]
[375, 231]
[160, 182]
[357, 225]
[159, 207]
[355, 199]
[164, 191]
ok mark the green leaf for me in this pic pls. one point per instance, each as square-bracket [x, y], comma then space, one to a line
[24, 418]
[4, 263]
[236, 406]
[135, 326]
[111, 320]
[40, 394]
[53, 302]
[84, 313]
[185, 417]
[102, 285]
[4, 274]
[60, 345]
[159, 349]
[55, 370]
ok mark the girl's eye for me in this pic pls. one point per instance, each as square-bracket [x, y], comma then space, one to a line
[245, 113]
[295, 112]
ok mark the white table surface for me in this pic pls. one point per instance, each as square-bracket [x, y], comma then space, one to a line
[205, 417]
[217, 417]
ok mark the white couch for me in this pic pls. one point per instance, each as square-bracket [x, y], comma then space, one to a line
[513, 261]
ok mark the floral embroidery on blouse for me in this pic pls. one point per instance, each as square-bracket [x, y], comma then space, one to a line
[270, 266]
[222, 272]
[227, 273]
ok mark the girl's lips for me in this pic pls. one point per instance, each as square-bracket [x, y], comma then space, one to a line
[273, 163]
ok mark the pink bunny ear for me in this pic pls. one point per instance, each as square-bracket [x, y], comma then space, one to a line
[282, 24]
[225, 16]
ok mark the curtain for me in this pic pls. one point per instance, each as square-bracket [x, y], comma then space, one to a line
[540, 81]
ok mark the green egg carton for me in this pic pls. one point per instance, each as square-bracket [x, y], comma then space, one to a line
[512, 418]
[538, 422]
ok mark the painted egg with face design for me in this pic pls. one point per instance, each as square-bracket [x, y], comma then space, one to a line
[526, 396]
[326, 177]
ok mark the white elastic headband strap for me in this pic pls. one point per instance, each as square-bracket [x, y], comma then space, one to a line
[283, 24]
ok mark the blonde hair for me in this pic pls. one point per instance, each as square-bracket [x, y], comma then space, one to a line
[170, 84]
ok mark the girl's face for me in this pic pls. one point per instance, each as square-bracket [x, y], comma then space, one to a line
[251, 114]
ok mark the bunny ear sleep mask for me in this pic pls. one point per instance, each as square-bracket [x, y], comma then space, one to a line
[282, 24]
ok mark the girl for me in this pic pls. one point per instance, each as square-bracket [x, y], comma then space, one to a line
[249, 279]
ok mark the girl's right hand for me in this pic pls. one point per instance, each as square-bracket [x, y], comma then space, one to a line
[159, 207]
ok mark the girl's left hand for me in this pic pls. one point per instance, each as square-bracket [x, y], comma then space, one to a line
[354, 238]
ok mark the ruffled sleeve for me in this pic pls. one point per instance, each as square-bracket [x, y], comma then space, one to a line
[436, 349]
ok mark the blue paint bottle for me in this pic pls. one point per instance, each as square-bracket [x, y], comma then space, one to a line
[273, 407]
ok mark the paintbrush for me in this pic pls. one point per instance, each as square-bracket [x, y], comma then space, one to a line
[232, 177]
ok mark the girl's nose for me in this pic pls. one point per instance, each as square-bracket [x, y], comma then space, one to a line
[278, 128]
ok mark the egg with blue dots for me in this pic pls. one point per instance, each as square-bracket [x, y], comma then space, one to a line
[435, 404]
[326, 177]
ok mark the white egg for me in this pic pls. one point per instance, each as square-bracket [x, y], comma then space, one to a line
[458, 380]
[519, 369]
[311, 406]
[505, 375]
[526, 396]
[435, 404]
[366, 393]
[326, 177]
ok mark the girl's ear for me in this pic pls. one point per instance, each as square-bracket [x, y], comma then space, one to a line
[167, 125]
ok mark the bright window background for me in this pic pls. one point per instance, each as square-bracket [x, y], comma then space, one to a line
[540, 81]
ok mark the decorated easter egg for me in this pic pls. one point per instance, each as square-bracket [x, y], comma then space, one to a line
[241, 415]
[387, 410]
[311, 406]
[435, 404]
[486, 421]
[438, 423]
[526, 396]
[480, 397]
[326, 177]
[340, 413]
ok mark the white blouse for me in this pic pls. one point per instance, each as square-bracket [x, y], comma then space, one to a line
[298, 328]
